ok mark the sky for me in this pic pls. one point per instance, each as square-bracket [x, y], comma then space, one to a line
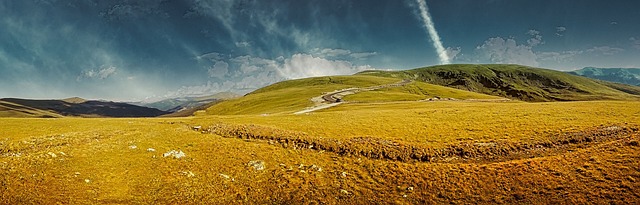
[146, 50]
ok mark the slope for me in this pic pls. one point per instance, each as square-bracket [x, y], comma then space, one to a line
[14, 107]
[295, 95]
[9, 109]
[513, 81]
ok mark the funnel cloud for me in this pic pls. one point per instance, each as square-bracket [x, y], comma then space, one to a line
[433, 34]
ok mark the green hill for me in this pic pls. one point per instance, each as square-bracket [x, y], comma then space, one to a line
[516, 82]
[295, 95]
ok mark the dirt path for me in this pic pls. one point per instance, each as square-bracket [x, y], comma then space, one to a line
[335, 98]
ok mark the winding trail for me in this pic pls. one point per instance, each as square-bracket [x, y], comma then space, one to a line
[334, 98]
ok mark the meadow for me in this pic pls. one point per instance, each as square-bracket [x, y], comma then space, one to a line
[503, 152]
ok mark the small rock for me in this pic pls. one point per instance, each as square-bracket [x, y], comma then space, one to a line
[87, 181]
[410, 188]
[196, 127]
[316, 168]
[404, 195]
[344, 174]
[175, 154]
[151, 150]
[225, 176]
[53, 155]
[257, 164]
[63, 154]
[133, 147]
[342, 191]
[188, 173]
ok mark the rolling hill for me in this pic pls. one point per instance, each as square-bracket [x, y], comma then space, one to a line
[13, 107]
[450, 82]
[629, 76]
[516, 82]
[295, 95]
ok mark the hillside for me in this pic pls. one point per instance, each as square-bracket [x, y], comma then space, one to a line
[295, 95]
[13, 107]
[629, 76]
[9, 109]
[515, 82]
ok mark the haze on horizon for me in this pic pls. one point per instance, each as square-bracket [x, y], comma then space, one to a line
[152, 49]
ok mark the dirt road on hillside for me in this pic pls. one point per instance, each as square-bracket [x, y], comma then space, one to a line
[335, 98]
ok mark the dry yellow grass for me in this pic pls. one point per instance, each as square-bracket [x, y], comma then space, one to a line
[94, 161]
[436, 123]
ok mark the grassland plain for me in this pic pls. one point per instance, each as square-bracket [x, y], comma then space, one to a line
[106, 161]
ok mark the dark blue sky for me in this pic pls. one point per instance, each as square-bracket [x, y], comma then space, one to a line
[152, 49]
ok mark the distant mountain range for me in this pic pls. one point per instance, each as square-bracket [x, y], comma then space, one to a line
[13, 107]
[176, 105]
[629, 76]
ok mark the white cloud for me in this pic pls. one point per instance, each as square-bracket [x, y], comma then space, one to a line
[362, 55]
[605, 50]
[564, 56]
[242, 44]
[210, 56]
[453, 52]
[249, 64]
[558, 56]
[330, 52]
[560, 30]
[614, 23]
[536, 38]
[101, 73]
[341, 53]
[305, 65]
[635, 42]
[499, 50]
[219, 69]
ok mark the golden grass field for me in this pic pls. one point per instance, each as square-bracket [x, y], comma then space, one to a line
[480, 152]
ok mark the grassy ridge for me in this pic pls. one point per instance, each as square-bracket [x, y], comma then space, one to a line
[513, 81]
[293, 95]
[414, 91]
